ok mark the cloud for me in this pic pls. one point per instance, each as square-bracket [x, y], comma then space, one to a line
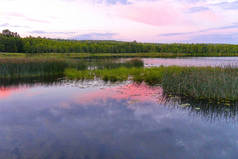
[176, 34]
[228, 5]
[102, 1]
[191, 1]
[38, 32]
[156, 13]
[113, 1]
[13, 26]
[94, 36]
[47, 32]
[234, 26]
[4, 25]
[223, 34]
[197, 9]
[231, 38]
[22, 16]
[75, 35]
[127, 20]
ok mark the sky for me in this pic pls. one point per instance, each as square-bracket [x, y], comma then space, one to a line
[157, 21]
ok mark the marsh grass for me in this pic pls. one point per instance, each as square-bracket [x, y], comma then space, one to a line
[31, 67]
[113, 63]
[213, 83]
[113, 75]
[39, 66]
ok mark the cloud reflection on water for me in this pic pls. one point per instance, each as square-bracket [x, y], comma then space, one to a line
[84, 120]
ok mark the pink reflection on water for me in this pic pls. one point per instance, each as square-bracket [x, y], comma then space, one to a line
[6, 92]
[132, 92]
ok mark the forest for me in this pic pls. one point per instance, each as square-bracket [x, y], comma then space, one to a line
[12, 43]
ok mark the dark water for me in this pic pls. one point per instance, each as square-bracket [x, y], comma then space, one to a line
[192, 61]
[92, 120]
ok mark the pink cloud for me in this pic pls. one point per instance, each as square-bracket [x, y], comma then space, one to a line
[205, 17]
[157, 14]
[20, 15]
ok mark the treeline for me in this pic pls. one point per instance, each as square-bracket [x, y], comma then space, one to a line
[12, 42]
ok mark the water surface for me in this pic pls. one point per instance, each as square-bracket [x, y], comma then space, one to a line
[93, 120]
[192, 61]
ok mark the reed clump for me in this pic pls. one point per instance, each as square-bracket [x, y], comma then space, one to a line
[115, 63]
[31, 67]
[203, 83]
[113, 75]
[40, 66]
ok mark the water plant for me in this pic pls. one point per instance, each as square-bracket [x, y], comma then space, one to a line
[203, 82]
[23, 67]
[214, 83]
[42, 66]
[113, 63]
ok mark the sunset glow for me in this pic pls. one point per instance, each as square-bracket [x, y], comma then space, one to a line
[197, 21]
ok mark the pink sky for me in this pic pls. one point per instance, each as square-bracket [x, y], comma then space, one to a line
[213, 21]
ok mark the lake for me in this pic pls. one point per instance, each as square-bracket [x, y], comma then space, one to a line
[60, 119]
[179, 61]
[192, 61]
[51, 117]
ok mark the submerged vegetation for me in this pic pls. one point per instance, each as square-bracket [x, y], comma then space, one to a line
[12, 42]
[218, 84]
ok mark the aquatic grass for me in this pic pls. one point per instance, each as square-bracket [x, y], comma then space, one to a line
[154, 76]
[203, 83]
[213, 83]
[31, 67]
[73, 73]
[41, 66]
[114, 63]
[113, 75]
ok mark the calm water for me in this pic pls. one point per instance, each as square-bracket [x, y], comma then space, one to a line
[192, 61]
[181, 61]
[93, 120]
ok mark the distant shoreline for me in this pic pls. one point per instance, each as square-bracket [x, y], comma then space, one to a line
[112, 55]
[12, 42]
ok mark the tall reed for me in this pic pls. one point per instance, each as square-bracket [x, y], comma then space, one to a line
[25, 67]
